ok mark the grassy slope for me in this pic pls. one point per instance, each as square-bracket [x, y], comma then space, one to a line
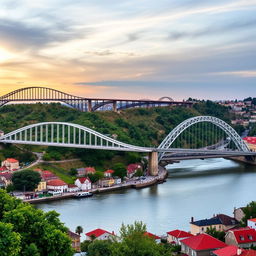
[144, 127]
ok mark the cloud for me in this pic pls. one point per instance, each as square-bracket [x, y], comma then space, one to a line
[213, 30]
[238, 73]
[20, 35]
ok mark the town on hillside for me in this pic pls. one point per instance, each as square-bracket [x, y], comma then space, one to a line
[220, 235]
[86, 179]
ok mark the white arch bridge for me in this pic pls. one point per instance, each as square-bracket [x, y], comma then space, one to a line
[63, 134]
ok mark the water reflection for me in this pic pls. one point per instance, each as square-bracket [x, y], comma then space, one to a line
[198, 188]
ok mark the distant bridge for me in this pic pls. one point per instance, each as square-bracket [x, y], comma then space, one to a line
[43, 94]
[223, 139]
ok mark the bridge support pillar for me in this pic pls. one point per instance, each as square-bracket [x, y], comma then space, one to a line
[114, 106]
[153, 163]
[89, 105]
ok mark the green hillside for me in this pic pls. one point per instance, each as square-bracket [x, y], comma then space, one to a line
[142, 127]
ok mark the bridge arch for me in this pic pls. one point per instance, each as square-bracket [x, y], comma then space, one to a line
[37, 93]
[66, 135]
[166, 98]
[173, 135]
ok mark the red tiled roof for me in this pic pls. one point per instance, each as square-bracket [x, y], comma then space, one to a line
[72, 186]
[230, 250]
[7, 175]
[250, 140]
[12, 160]
[179, 233]
[248, 253]
[84, 179]
[47, 173]
[253, 220]
[203, 242]
[109, 171]
[97, 232]
[56, 183]
[89, 170]
[245, 235]
[152, 235]
[3, 168]
[131, 168]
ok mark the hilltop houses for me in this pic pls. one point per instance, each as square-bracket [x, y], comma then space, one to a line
[200, 245]
[242, 237]
[175, 236]
[11, 164]
[85, 171]
[220, 222]
[99, 234]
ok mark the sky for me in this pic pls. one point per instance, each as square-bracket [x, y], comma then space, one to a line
[138, 49]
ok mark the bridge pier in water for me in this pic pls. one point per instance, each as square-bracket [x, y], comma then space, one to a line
[153, 163]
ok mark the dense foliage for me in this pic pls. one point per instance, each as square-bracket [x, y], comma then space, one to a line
[26, 231]
[132, 242]
[142, 127]
[249, 211]
[26, 180]
[217, 234]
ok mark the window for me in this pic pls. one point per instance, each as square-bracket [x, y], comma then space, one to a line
[202, 229]
[242, 238]
[250, 237]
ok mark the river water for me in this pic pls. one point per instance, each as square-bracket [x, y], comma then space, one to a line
[198, 188]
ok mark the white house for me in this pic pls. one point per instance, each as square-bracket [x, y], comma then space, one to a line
[251, 223]
[83, 183]
[108, 173]
[99, 234]
[57, 185]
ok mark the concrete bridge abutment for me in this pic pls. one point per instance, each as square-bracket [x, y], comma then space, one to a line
[153, 163]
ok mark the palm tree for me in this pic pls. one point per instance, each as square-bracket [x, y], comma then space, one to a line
[79, 230]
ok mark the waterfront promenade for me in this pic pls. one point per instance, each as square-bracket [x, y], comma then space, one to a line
[133, 183]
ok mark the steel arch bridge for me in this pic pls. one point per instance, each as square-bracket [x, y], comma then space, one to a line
[178, 130]
[63, 134]
[44, 94]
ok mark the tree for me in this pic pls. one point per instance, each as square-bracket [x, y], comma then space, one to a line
[9, 240]
[31, 250]
[100, 248]
[120, 170]
[73, 172]
[215, 233]
[40, 233]
[249, 212]
[84, 245]
[79, 230]
[94, 177]
[135, 243]
[26, 180]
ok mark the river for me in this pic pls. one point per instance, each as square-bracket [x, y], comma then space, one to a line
[198, 188]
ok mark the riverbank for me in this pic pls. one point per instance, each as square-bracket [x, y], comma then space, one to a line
[241, 159]
[137, 184]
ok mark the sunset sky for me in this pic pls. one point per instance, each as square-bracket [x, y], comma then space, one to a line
[141, 49]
